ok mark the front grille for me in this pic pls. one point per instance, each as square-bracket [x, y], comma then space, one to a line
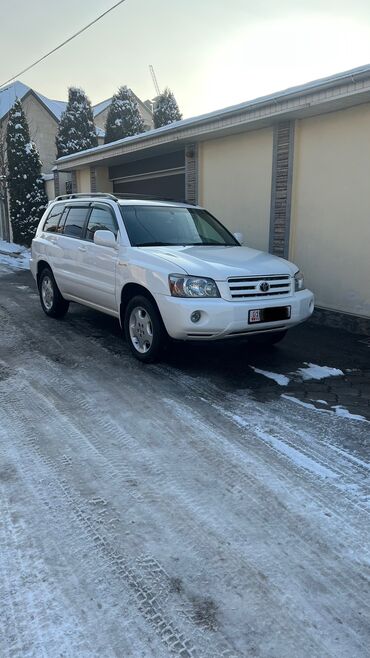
[248, 287]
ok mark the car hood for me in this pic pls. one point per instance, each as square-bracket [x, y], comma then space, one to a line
[219, 263]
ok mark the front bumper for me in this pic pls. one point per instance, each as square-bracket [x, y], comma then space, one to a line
[222, 319]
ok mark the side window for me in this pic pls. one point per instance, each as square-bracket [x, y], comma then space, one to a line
[101, 219]
[53, 218]
[75, 221]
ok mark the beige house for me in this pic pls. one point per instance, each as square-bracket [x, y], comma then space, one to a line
[290, 170]
[43, 116]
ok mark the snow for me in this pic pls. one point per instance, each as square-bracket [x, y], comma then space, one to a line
[344, 413]
[310, 371]
[336, 410]
[282, 380]
[14, 256]
[314, 371]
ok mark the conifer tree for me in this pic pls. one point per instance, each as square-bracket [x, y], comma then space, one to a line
[25, 184]
[124, 118]
[76, 130]
[166, 109]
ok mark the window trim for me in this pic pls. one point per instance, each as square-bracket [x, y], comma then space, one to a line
[68, 207]
[100, 205]
[57, 205]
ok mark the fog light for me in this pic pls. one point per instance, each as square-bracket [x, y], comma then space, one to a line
[195, 316]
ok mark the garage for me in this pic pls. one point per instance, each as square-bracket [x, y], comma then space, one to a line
[160, 176]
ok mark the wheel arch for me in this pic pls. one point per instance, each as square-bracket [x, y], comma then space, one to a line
[41, 265]
[131, 290]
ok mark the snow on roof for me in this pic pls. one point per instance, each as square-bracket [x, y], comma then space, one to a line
[99, 131]
[100, 107]
[17, 89]
[8, 96]
[55, 107]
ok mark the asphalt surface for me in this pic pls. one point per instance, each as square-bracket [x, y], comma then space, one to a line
[194, 507]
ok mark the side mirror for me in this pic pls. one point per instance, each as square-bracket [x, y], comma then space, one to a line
[105, 239]
[239, 237]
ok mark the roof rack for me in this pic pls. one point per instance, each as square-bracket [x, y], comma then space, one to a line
[118, 196]
[81, 195]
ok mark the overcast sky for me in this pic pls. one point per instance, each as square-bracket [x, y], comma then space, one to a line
[211, 53]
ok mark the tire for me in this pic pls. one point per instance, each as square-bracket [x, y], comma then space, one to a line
[52, 302]
[268, 340]
[144, 330]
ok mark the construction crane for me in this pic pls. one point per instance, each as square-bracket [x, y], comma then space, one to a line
[154, 78]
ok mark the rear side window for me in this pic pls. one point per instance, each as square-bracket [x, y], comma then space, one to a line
[75, 221]
[53, 218]
[101, 219]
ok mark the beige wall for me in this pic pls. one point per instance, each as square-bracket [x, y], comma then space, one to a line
[235, 183]
[83, 180]
[103, 184]
[43, 130]
[330, 229]
[49, 189]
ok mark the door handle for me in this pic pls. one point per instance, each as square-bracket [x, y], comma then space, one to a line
[82, 249]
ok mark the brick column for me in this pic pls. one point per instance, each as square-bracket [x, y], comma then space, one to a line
[93, 186]
[56, 183]
[74, 182]
[191, 173]
[281, 188]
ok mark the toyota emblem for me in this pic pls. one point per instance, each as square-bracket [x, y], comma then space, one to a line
[264, 286]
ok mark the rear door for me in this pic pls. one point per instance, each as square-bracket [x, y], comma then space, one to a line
[70, 249]
[99, 263]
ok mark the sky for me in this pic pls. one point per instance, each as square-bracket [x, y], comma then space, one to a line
[211, 53]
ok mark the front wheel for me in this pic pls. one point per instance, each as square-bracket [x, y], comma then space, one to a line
[144, 329]
[52, 302]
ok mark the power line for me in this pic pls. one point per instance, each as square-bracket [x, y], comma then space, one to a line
[62, 44]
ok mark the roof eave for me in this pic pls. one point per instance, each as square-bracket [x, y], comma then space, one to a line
[336, 92]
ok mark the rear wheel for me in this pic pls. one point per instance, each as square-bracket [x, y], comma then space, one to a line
[144, 329]
[52, 302]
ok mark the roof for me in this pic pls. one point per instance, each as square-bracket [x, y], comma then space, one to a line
[326, 94]
[9, 94]
[100, 107]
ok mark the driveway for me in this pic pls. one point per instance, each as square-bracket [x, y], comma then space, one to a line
[214, 505]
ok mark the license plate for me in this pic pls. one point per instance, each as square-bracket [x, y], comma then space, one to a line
[273, 314]
[255, 316]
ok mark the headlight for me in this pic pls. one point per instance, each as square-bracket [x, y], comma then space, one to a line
[298, 281]
[192, 286]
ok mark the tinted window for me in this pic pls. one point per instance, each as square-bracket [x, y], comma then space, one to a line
[101, 219]
[174, 225]
[75, 221]
[52, 220]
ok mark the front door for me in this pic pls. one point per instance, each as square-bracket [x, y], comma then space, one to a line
[99, 263]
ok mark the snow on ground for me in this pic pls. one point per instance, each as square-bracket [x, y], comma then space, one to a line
[168, 510]
[13, 256]
[310, 371]
[337, 410]
[282, 380]
[313, 371]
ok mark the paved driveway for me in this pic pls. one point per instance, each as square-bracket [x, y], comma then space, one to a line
[216, 504]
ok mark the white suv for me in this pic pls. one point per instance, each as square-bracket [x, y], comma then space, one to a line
[163, 269]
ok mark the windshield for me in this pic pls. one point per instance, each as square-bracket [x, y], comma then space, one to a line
[149, 226]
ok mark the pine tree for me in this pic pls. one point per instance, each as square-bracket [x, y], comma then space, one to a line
[166, 109]
[25, 184]
[76, 130]
[124, 118]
